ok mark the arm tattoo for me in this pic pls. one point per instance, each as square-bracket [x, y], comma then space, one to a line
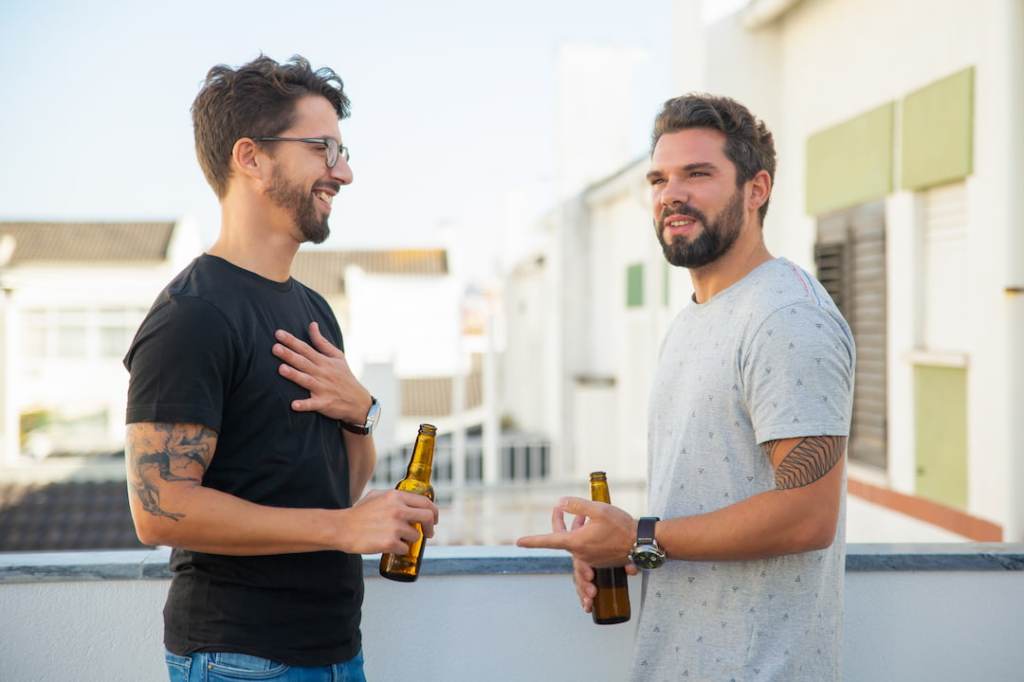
[810, 459]
[181, 452]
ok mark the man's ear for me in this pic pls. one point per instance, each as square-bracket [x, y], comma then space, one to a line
[247, 160]
[760, 189]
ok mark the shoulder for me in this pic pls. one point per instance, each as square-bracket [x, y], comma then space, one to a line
[186, 309]
[178, 322]
[783, 293]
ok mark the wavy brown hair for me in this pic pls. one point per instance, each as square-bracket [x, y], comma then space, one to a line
[748, 142]
[256, 99]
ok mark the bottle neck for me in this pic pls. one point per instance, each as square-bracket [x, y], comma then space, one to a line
[599, 492]
[422, 461]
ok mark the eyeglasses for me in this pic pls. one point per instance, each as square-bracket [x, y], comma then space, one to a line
[333, 147]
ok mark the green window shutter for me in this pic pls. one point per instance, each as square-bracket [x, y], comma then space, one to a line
[937, 132]
[665, 284]
[940, 394]
[851, 163]
[635, 286]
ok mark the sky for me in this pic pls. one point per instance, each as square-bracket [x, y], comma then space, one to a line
[453, 106]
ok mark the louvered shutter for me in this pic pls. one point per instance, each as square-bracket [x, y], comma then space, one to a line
[850, 257]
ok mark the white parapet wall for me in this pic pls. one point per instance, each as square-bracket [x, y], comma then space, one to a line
[922, 612]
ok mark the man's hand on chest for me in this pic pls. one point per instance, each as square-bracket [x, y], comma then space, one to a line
[321, 369]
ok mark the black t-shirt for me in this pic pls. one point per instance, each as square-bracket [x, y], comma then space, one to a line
[203, 355]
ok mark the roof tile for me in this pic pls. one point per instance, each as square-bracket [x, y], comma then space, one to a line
[90, 242]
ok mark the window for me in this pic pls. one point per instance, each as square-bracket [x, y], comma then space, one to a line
[72, 334]
[116, 328]
[944, 268]
[35, 332]
[850, 259]
[666, 284]
[635, 286]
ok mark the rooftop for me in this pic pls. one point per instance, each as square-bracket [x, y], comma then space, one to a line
[324, 271]
[102, 242]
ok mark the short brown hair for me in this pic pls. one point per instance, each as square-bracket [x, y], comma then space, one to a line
[257, 99]
[748, 142]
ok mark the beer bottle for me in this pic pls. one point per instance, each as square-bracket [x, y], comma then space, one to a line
[406, 568]
[611, 604]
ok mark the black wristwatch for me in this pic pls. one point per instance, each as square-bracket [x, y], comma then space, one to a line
[646, 553]
[372, 417]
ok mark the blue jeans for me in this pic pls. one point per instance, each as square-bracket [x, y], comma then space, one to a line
[228, 667]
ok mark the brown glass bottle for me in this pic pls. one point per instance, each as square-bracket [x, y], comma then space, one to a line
[611, 605]
[406, 567]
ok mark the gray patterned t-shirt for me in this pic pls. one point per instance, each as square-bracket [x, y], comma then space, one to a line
[768, 358]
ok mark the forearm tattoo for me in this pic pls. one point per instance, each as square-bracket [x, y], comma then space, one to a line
[810, 459]
[166, 452]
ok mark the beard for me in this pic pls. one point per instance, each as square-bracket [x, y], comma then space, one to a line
[713, 241]
[301, 205]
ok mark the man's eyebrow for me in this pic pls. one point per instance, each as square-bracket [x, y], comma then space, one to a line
[688, 168]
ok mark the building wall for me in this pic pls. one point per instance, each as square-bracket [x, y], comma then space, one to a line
[523, 397]
[625, 334]
[412, 321]
[833, 60]
[62, 357]
[470, 626]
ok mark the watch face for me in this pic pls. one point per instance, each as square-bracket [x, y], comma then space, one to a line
[647, 556]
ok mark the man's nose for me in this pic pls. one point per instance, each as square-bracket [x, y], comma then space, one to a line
[675, 192]
[342, 172]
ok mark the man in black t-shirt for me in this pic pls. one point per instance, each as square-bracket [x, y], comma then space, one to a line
[249, 439]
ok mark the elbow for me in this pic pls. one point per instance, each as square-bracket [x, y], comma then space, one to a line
[147, 536]
[819, 536]
[150, 533]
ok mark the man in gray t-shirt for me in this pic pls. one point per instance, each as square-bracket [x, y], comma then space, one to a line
[748, 419]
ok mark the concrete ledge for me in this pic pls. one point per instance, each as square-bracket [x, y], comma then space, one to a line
[987, 556]
[151, 564]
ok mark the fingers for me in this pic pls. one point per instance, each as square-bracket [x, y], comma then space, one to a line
[413, 499]
[549, 541]
[631, 569]
[581, 507]
[392, 521]
[583, 572]
[321, 343]
[396, 547]
[578, 522]
[409, 533]
[558, 520]
[297, 345]
[418, 510]
[583, 578]
[295, 376]
[308, 405]
[286, 354]
[423, 517]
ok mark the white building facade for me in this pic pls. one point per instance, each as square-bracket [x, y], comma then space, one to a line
[900, 158]
[897, 127]
[74, 294]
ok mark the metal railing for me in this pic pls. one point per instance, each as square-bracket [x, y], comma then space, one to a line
[522, 459]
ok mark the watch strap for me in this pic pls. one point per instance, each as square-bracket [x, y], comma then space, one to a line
[367, 426]
[645, 530]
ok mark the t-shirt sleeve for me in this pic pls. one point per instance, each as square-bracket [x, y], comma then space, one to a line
[798, 374]
[181, 364]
